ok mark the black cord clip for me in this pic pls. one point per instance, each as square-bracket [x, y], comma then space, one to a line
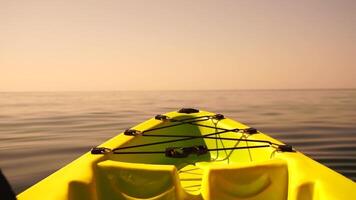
[183, 152]
[218, 117]
[100, 150]
[249, 131]
[162, 117]
[285, 148]
[132, 132]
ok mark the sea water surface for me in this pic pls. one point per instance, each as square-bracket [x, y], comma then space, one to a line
[41, 132]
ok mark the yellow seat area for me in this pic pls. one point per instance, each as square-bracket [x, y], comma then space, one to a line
[119, 180]
[265, 180]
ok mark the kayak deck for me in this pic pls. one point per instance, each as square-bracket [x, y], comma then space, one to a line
[208, 157]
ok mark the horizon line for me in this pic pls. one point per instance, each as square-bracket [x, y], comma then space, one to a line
[167, 90]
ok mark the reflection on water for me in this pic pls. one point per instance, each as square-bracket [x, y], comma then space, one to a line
[41, 132]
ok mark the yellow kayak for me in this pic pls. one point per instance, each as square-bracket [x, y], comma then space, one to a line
[192, 154]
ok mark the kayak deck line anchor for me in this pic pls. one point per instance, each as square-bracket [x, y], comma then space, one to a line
[132, 132]
[100, 150]
[285, 148]
[188, 110]
[183, 152]
[249, 131]
[218, 117]
[163, 118]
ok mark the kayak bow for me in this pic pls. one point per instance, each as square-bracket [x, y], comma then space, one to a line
[192, 154]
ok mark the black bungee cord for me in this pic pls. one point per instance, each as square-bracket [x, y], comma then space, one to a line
[181, 152]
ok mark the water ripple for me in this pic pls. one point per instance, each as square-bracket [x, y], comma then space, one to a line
[54, 128]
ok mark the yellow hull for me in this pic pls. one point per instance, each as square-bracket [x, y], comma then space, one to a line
[245, 173]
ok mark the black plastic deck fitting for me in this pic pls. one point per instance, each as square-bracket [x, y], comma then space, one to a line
[183, 152]
[132, 132]
[285, 148]
[100, 150]
[162, 117]
[251, 131]
[188, 110]
[219, 116]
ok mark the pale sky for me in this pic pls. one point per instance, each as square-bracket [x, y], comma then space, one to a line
[50, 45]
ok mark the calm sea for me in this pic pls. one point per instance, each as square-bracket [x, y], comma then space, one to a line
[42, 132]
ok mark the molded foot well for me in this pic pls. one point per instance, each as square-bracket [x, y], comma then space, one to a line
[268, 180]
[306, 192]
[79, 190]
[118, 180]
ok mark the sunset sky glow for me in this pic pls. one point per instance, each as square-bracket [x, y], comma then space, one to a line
[64, 45]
